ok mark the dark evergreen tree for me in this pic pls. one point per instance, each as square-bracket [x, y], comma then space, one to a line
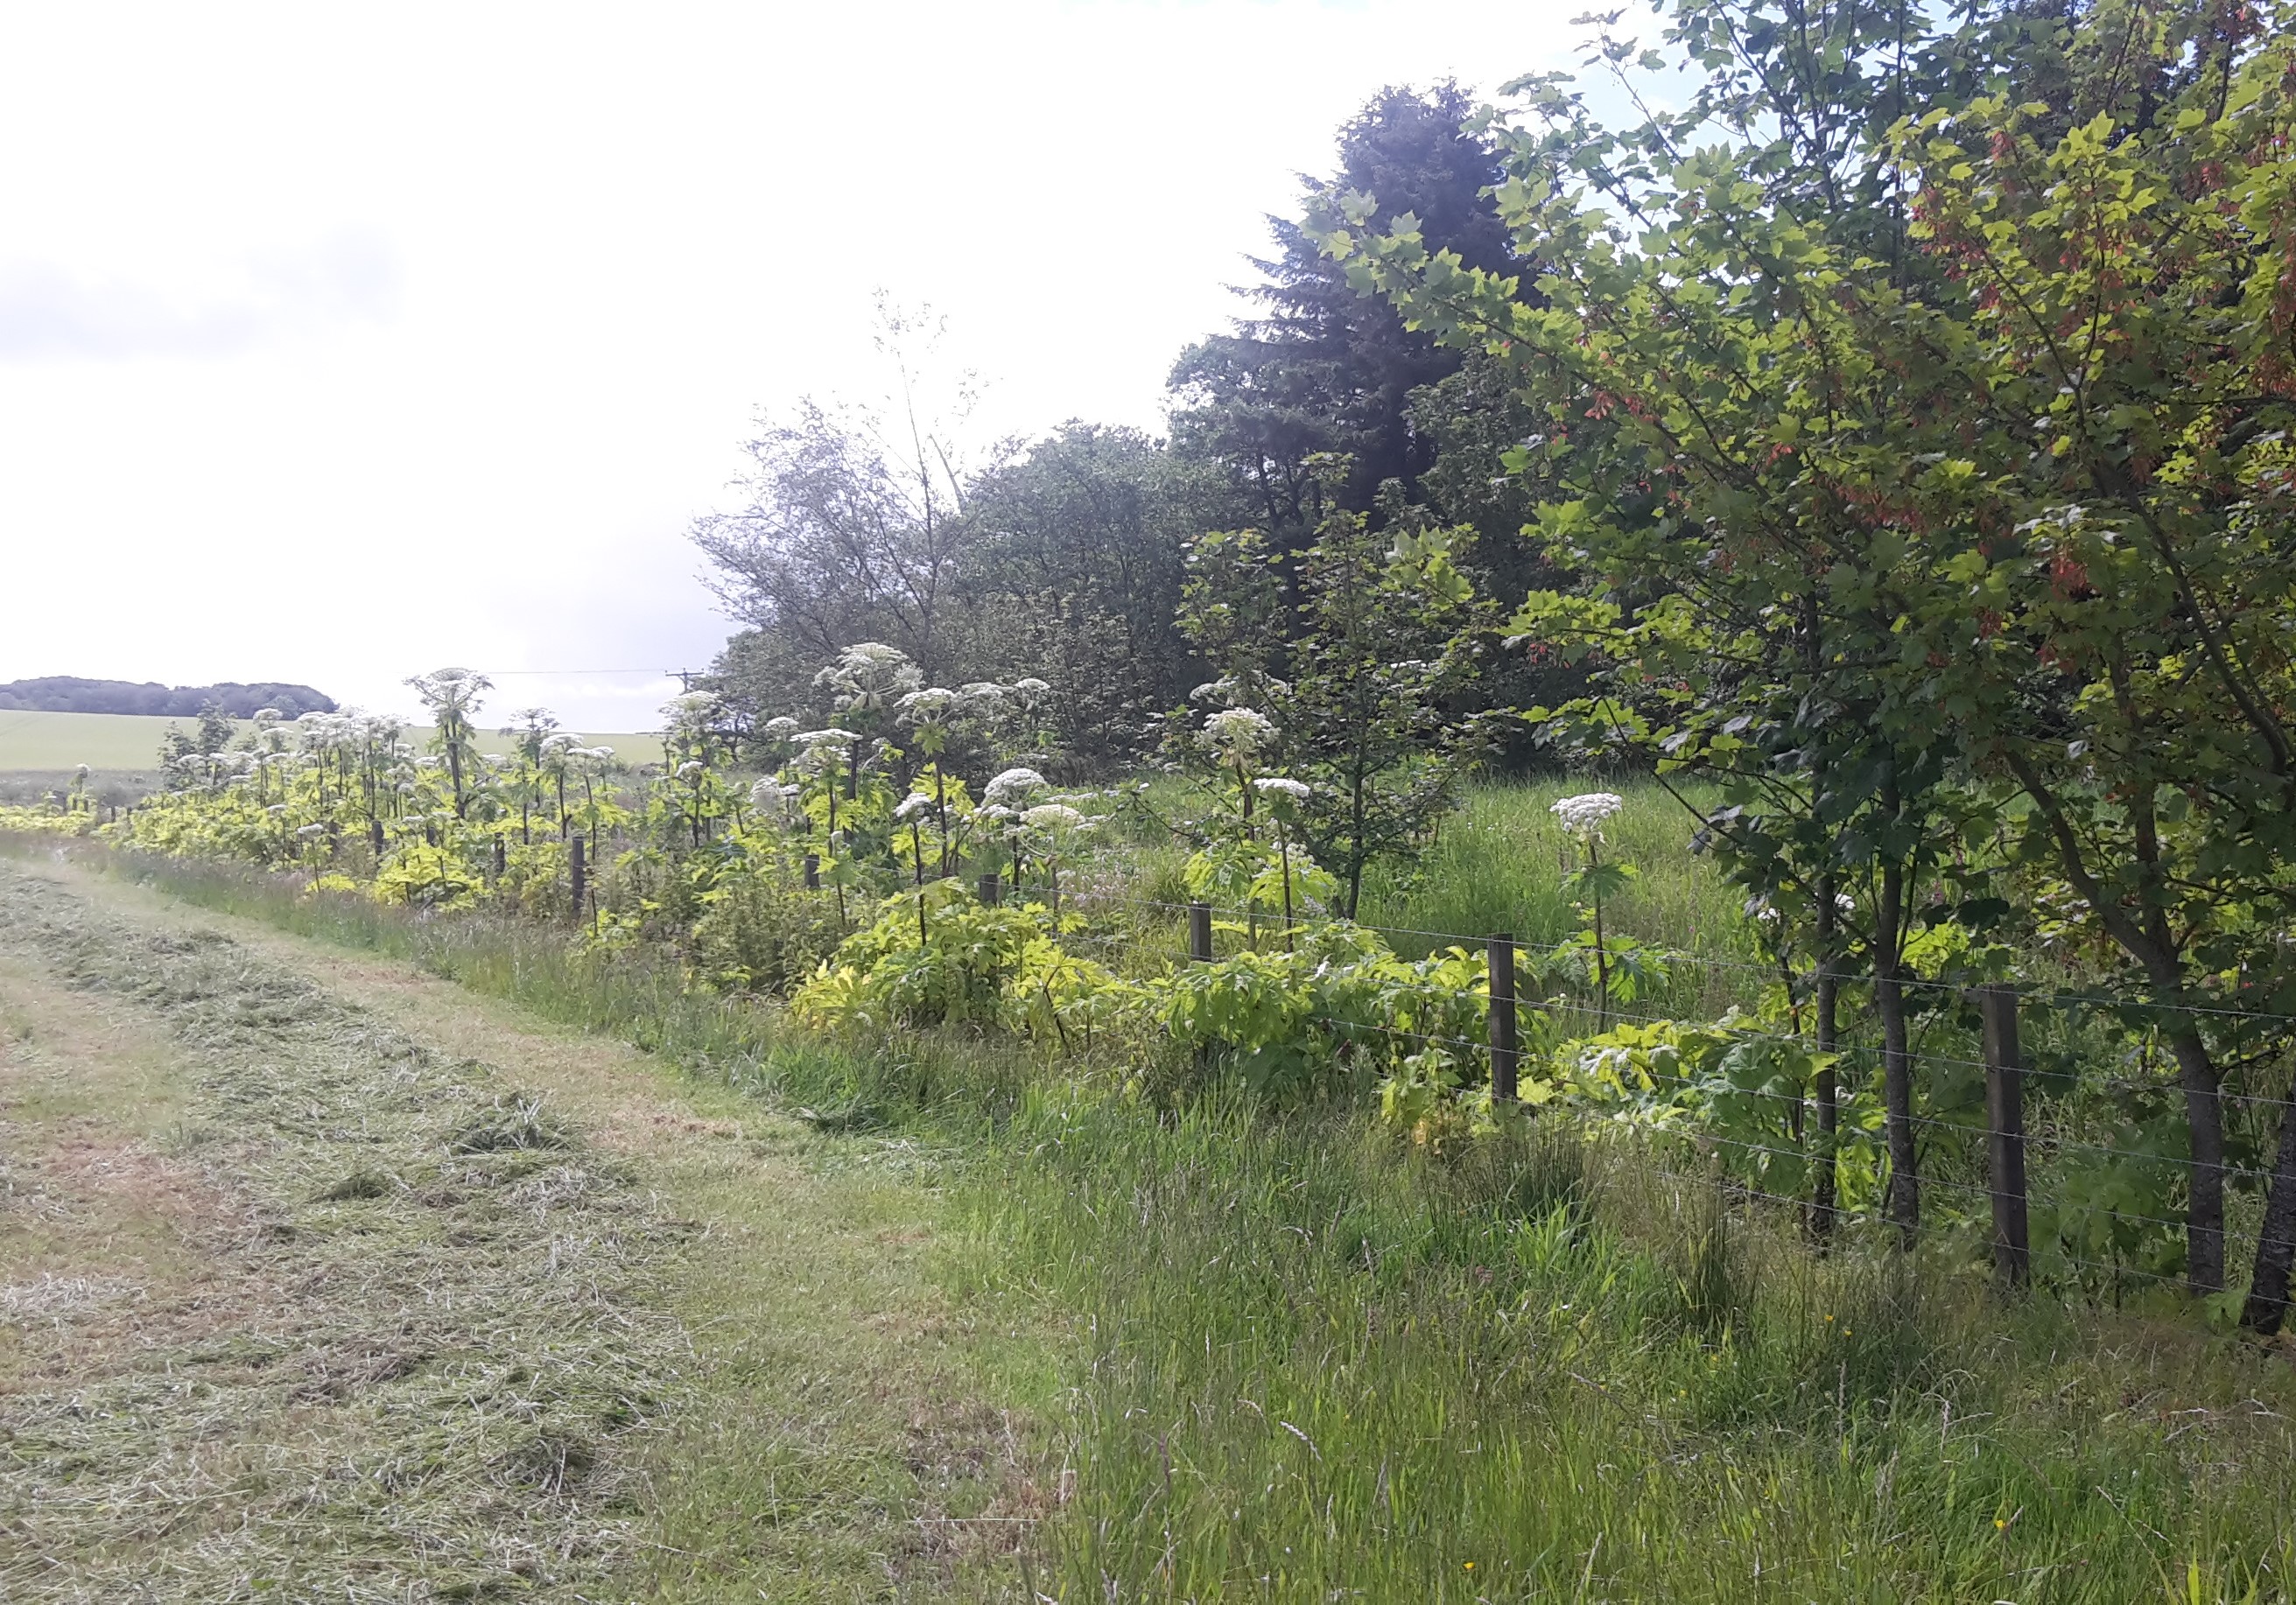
[1326, 370]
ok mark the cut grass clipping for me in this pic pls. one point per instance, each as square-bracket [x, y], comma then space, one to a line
[430, 1313]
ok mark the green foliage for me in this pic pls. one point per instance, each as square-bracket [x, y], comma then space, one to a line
[419, 875]
[1934, 535]
[935, 956]
[1339, 1011]
[1354, 683]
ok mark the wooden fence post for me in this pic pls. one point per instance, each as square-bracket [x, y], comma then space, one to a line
[579, 873]
[992, 889]
[813, 871]
[1506, 1054]
[1200, 932]
[2005, 1144]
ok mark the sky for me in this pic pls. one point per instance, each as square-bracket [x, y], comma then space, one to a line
[341, 343]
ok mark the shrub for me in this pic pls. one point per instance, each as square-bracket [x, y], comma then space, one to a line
[759, 932]
[935, 956]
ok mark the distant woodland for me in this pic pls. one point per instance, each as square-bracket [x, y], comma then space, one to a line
[70, 693]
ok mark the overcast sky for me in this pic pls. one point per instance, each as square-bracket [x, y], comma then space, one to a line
[337, 343]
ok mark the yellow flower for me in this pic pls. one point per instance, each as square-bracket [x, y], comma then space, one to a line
[1999, 1525]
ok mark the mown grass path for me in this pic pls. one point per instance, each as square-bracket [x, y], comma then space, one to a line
[322, 1279]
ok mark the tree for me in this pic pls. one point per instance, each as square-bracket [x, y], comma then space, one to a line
[851, 527]
[2023, 436]
[214, 733]
[1381, 632]
[1329, 370]
[2127, 377]
[1074, 570]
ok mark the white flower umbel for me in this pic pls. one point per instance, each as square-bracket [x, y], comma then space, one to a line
[1583, 815]
[913, 805]
[1237, 735]
[935, 704]
[869, 676]
[1012, 787]
[1051, 817]
[1278, 785]
[690, 709]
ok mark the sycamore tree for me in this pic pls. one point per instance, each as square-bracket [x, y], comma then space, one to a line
[1709, 415]
[1949, 518]
[2120, 521]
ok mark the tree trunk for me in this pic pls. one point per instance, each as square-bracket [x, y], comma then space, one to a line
[2276, 1245]
[1825, 1188]
[1904, 1204]
[2204, 1248]
[2151, 945]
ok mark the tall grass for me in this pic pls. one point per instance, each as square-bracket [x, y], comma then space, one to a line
[1498, 865]
[1317, 1366]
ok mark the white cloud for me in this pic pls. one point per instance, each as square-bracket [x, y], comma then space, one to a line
[50, 312]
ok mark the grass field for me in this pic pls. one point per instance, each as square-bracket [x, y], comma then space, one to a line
[128, 745]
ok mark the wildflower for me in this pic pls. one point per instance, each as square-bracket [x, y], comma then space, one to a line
[690, 770]
[1051, 817]
[913, 805]
[781, 728]
[1012, 786]
[868, 676]
[929, 706]
[1583, 815]
[1276, 785]
[1236, 735]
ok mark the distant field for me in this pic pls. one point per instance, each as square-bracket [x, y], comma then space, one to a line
[128, 745]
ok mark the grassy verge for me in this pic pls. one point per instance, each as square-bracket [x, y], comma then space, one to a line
[374, 1325]
[1304, 1362]
[818, 1426]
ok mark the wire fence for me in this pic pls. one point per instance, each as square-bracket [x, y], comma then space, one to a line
[1998, 1172]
